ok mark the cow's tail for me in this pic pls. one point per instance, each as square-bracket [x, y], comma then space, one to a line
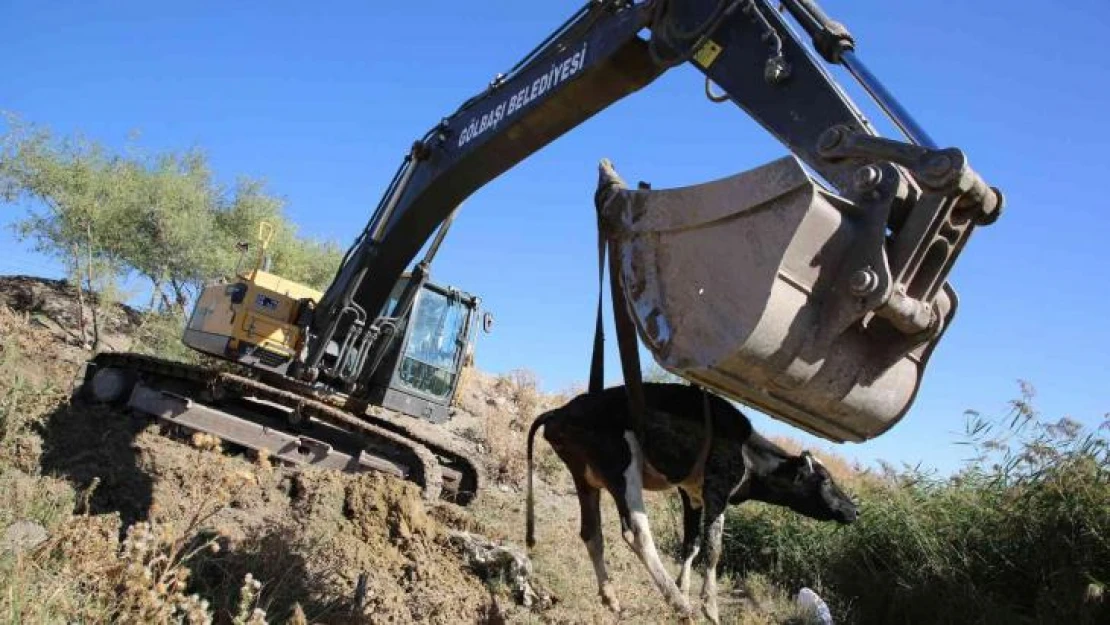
[530, 516]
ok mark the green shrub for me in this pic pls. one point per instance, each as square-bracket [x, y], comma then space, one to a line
[1020, 535]
[160, 335]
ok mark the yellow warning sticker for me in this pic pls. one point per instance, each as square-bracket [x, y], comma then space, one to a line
[707, 53]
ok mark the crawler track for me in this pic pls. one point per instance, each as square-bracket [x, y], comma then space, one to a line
[438, 463]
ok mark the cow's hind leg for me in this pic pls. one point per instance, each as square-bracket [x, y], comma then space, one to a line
[715, 498]
[637, 530]
[691, 533]
[589, 501]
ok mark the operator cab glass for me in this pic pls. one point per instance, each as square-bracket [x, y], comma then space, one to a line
[394, 296]
[436, 337]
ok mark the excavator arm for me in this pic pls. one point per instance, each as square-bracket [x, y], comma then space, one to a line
[900, 198]
[590, 62]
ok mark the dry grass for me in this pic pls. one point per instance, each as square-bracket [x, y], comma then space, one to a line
[516, 401]
[762, 602]
[82, 572]
[505, 407]
[847, 473]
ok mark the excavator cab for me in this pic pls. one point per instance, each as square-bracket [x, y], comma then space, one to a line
[433, 338]
[420, 374]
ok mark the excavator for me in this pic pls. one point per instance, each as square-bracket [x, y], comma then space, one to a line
[813, 288]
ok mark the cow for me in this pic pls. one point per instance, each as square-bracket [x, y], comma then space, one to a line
[694, 441]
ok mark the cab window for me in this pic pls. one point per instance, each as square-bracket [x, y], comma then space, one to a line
[428, 363]
[394, 297]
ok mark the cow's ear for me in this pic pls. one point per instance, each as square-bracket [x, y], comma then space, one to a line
[809, 461]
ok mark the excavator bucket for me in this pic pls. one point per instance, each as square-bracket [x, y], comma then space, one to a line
[748, 286]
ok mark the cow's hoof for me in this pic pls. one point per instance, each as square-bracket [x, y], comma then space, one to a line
[609, 600]
[710, 610]
[689, 616]
[686, 612]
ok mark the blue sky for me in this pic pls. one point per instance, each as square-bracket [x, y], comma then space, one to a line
[324, 102]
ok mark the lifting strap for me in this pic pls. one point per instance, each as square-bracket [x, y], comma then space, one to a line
[597, 360]
[626, 334]
[627, 342]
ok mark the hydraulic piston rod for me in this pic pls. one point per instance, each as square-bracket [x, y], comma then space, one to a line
[890, 105]
[835, 44]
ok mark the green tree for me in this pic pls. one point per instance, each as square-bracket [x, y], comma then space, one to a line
[166, 226]
[162, 217]
[309, 261]
[76, 186]
[306, 260]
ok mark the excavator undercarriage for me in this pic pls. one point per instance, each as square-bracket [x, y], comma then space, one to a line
[252, 324]
[288, 421]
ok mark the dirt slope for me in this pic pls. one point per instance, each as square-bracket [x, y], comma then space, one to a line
[143, 527]
[310, 535]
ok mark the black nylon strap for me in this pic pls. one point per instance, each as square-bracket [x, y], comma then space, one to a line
[628, 345]
[597, 360]
[626, 330]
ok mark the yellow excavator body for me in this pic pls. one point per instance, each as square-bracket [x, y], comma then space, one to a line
[256, 312]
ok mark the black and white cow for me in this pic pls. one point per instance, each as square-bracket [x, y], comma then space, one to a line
[693, 441]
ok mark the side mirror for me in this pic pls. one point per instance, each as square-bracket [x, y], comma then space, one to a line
[487, 322]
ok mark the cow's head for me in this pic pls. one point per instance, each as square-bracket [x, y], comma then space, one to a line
[804, 485]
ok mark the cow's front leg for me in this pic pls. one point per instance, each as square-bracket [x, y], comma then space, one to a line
[691, 533]
[637, 531]
[715, 498]
[589, 501]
